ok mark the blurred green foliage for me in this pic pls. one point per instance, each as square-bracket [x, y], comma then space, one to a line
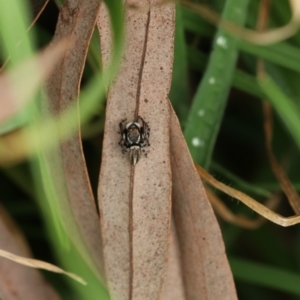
[223, 124]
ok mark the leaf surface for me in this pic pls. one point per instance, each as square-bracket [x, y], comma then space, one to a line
[76, 23]
[205, 267]
[174, 286]
[135, 202]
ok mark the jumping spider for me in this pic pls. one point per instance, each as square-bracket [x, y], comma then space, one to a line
[134, 137]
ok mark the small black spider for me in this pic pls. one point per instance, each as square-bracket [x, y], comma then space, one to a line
[134, 137]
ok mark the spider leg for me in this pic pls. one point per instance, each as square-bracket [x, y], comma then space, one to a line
[143, 121]
[123, 133]
[145, 152]
[121, 125]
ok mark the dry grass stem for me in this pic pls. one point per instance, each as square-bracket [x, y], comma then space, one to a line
[38, 264]
[268, 37]
[224, 212]
[247, 200]
[18, 280]
[279, 172]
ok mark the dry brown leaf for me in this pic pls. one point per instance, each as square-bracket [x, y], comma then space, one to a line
[17, 280]
[173, 287]
[135, 202]
[205, 268]
[76, 23]
[18, 85]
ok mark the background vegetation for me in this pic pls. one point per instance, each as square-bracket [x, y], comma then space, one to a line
[228, 141]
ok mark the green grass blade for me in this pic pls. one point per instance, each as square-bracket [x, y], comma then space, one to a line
[241, 80]
[15, 40]
[207, 110]
[194, 23]
[266, 276]
[282, 54]
[284, 106]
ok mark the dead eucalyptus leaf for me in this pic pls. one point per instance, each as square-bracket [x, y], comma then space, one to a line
[18, 85]
[16, 279]
[135, 202]
[174, 286]
[76, 23]
[206, 272]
